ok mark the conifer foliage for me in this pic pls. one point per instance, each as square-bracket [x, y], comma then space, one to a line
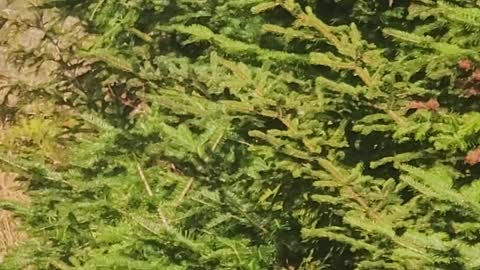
[259, 134]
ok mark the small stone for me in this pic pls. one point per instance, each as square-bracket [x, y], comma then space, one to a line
[31, 39]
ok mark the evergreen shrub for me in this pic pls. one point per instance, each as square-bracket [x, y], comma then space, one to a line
[255, 134]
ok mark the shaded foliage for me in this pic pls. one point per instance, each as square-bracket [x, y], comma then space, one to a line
[253, 135]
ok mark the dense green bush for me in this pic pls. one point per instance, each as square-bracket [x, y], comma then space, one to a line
[252, 134]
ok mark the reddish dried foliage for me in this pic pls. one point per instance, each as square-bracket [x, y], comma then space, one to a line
[473, 157]
[471, 92]
[476, 75]
[431, 104]
[469, 78]
[466, 64]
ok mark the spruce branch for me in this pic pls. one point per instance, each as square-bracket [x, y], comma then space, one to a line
[202, 33]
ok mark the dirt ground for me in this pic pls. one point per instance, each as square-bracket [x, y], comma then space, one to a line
[10, 235]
